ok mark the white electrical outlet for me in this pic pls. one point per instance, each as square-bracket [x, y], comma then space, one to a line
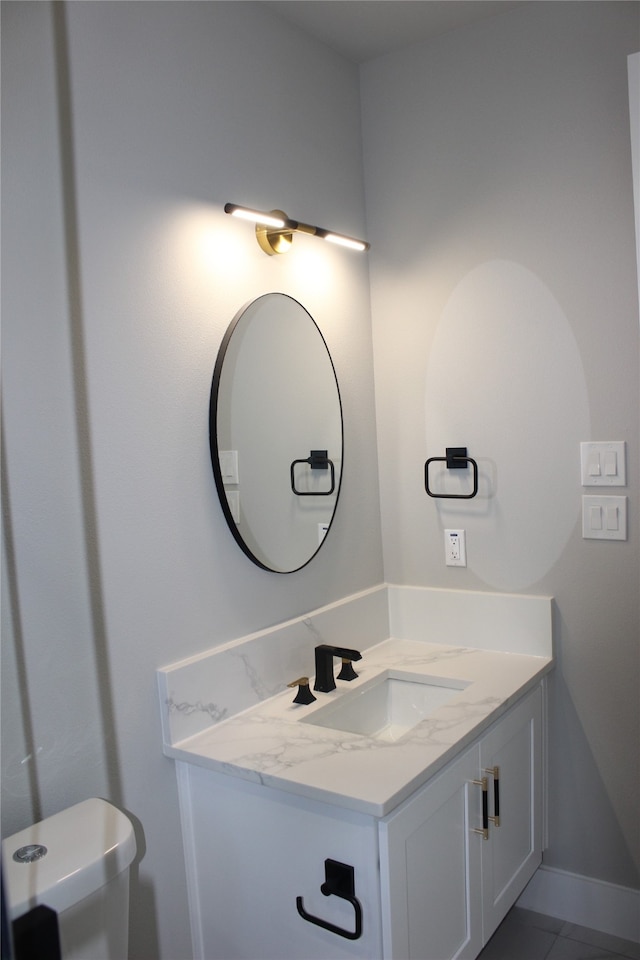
[455, 549]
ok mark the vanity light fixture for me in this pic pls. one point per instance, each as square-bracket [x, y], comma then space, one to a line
[274, 230]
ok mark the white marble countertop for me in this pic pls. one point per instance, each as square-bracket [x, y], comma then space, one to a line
[268, 744]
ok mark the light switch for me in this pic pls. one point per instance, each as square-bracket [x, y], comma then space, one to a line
[603, 463]
[610, 463]
[595, 518]
[229, 466]
[613, 518]
[604, 518]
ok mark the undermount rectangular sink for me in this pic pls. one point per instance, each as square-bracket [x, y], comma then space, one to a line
[389, 707]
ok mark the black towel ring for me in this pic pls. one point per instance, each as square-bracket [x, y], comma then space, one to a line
[456, 459]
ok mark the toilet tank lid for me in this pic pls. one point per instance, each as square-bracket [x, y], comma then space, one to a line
[87, 846]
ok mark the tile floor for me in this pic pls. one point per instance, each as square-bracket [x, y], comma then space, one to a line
[525, 935]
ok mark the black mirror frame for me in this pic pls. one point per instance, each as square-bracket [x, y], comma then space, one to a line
[213, 435]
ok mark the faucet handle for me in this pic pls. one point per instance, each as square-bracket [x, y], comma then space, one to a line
[304, 694]
[347, 672]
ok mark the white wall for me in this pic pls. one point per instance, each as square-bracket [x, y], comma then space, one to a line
[175, 108]
[52, 670]
[504, 299]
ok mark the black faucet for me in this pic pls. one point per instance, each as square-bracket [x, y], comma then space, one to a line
[324, 665]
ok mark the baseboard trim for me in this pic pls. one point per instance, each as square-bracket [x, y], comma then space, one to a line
[596, 904]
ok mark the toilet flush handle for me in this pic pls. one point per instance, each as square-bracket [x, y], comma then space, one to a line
[29, 853]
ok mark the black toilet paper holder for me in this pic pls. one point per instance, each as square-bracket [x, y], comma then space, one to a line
[339, 882]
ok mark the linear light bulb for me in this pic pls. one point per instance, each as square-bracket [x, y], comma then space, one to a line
[274, 230]
[346, 241]
[255, 216]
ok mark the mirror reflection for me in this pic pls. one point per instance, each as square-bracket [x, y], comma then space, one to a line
[275, 427]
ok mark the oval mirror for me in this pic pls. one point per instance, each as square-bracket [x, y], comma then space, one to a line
[275, 432]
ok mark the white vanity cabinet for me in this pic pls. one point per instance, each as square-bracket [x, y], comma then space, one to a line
[429, 886]
[251, 851]
[446, 879]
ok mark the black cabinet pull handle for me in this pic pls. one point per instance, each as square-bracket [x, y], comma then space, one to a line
[339, 882]
[495, 773]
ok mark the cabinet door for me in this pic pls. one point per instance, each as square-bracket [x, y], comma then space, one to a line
[514, 849]
[429, 867]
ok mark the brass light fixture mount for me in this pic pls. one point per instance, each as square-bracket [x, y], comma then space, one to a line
[275, 239]
[274, 230]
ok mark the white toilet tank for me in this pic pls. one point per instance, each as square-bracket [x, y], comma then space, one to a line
[83, 876]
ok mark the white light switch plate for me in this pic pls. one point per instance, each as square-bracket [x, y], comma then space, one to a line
[604, 518]
[602, 463]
